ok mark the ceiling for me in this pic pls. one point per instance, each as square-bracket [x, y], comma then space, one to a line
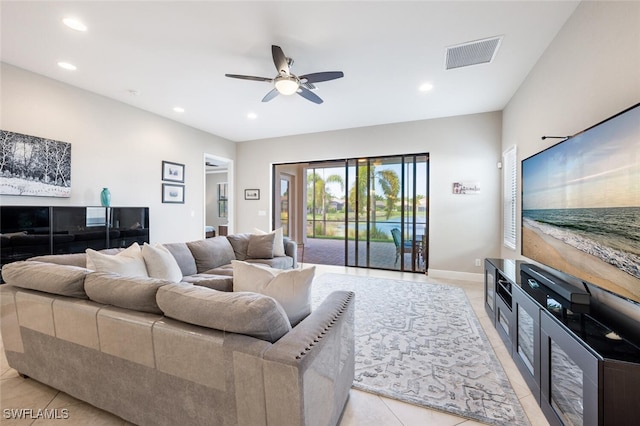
[159, 55]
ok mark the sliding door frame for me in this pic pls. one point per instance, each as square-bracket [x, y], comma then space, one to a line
[362, 226]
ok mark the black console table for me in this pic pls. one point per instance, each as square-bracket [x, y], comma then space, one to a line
[578, 368]
[28, 231]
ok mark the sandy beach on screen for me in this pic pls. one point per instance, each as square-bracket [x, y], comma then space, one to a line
[558, 255]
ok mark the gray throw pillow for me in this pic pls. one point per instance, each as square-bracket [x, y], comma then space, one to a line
[183, 256]
[247, 313]
[211, 253]
[260, 246]
[240, 243]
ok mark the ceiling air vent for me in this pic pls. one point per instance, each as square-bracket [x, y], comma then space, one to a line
[472, 53]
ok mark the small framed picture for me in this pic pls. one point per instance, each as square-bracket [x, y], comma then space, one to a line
[251, 194]
[173, 172]
[466, 188]
[172, 193]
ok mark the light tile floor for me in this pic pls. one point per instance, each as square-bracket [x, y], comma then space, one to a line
[362, 408]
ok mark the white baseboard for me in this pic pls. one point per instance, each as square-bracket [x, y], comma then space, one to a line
[455, 275]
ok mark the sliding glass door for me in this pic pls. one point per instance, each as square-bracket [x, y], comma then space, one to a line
[367, 212]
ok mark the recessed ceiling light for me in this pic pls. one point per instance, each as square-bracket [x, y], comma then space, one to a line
[178, 109]
[74, 24]
[426, 87]
[67, 66]
[252, 115]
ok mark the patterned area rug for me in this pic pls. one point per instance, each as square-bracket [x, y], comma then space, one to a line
[422, 343]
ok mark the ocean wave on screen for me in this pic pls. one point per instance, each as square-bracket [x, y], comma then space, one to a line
[627, 262]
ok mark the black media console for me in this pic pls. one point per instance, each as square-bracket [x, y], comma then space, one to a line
[577, 365]
[28, 231]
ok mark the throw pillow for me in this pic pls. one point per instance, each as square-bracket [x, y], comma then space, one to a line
[240, 243]
[160, 263]
[211, 253]
[291, 288]
[183, 256]
[128, 262]
[260, 246]
[278, 243]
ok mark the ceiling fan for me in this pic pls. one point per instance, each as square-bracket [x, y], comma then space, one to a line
[287, 83]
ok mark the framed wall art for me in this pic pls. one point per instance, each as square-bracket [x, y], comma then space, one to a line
[172, 172]
[34, 166]
[466, 188]
[251, 194]
[172, 193]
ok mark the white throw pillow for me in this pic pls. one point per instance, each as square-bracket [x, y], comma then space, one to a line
[161, 263]
[128, 262]
[278, 242]
[291, 288]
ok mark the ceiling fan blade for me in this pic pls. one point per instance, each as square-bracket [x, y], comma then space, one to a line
[308, 94]
[249, 77]
[272, 94]
[279, 59]
[317, 77]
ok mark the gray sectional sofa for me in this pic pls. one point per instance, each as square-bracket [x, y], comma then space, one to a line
[207, 262]
[160, 353]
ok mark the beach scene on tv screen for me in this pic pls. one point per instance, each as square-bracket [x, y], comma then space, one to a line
[581, 205]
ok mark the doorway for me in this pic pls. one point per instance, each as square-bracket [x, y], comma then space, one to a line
[218, 202]
[367, 212]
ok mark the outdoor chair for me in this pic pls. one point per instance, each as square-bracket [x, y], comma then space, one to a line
[407, 247]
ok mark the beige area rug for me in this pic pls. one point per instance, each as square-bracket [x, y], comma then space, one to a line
[423, 344]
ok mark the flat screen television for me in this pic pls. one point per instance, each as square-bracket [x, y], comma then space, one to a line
[581, 206]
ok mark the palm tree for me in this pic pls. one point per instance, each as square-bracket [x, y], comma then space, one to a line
[317, 193]
[388, 181]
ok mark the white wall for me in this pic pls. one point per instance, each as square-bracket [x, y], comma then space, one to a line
[112, 145]
[465, 148]
[590, 72]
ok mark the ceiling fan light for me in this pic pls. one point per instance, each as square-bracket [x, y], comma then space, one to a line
[287, 85]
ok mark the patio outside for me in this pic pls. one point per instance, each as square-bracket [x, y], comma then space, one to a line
[362, 202]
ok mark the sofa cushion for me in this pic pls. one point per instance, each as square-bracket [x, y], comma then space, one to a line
[284, 262]
[216, 282]
[136, 293]
[183, 256]
[74, 259]
[252, 314]
[240, 243]
[160, 263]
[260, 246]
[211, 253]
[278, 242]
[65, 280]
[128, 262]
[226, 270]
[292, 288]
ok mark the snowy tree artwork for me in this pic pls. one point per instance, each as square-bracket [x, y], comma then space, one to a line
[34, 166]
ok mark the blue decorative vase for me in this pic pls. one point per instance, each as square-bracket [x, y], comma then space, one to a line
[105, 197]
